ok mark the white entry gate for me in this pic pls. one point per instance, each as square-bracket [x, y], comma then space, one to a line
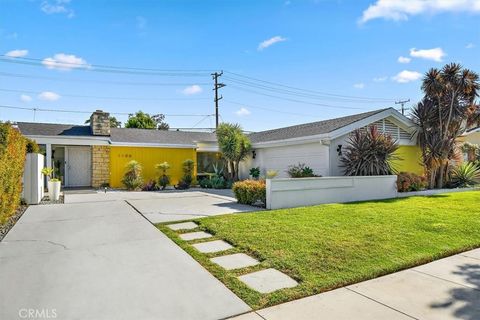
[78, 166]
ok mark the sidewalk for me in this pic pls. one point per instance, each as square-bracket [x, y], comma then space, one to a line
[444, 289]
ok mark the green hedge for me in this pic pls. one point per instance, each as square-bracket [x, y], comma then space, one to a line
[12, 159]
[250, 191]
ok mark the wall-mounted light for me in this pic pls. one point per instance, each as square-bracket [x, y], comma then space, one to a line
[254, 154]
[339, 149]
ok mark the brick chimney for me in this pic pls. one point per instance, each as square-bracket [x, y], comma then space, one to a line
[100, 123]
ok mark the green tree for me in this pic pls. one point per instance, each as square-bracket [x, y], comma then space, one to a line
[234, 145]
[142, 120]
[114, 123]
[448, 103]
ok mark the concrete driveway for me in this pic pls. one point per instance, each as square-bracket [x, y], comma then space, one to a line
[171, 205]
[103, 260]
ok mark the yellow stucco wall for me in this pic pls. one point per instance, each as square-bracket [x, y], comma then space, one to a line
[410, 159]
[148, 157]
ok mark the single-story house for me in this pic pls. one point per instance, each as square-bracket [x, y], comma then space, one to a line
[95, 154]
[319, 144]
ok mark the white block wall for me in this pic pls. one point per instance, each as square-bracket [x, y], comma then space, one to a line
[33, 178]
[289, 193]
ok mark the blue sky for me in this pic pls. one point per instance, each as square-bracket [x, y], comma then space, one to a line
[354, 56]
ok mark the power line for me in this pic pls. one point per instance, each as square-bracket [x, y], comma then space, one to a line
[26, 76]
[298, 94]
[217, 86]
[402, 102]
[297, 101]
[106, 97]
[108, 70]
[307, 90]
[273, 110]
[34, 109]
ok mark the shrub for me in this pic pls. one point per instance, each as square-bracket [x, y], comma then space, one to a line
[369, 153]
[465, 175]
[164, 179]
[188, 167]
[250, 192]
[12, 159]
[132, 179]
[151, 185]
[407, 181]
[255, 172]
[300, 171]
[271, 174]
[32, 146]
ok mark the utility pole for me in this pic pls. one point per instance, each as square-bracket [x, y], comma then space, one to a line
[402, 102]
[217, 86]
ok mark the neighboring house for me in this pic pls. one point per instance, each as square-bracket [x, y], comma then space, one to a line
[471, 136]
[320, 144]
[95, 154]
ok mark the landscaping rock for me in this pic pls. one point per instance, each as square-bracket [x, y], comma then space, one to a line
[268, 280]
[235, 261]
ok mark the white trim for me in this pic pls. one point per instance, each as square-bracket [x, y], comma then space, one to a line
[70, 140]
[208, 149]
[153, 145]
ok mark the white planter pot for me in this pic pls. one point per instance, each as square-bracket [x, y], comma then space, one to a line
[54, 190]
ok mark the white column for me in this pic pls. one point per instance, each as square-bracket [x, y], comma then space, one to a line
[49, 154]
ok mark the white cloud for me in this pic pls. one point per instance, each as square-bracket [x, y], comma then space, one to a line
[64, 62]
[267, 43]
[435, 54]
[404, 59]
[193, 89]
[470, 46]
[402, 9]
[16, 53]
[49, 96]
[360, 85]
[380, 79]
[57, 6]
[407, 76]
[25, 98]
[141, 22]
[242, 112]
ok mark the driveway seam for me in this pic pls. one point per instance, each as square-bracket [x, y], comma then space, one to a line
[464, 255]
[440, 278]
[381, 303]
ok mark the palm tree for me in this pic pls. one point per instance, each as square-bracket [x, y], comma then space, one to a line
[442, 115]
[234, 145]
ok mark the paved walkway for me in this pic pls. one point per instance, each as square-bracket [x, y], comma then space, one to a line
[103, 260]
[445, 289]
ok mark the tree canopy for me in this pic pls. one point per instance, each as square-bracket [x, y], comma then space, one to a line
[142, 120]
[234, 145]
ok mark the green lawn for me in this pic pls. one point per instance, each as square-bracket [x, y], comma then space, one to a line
[329, 246]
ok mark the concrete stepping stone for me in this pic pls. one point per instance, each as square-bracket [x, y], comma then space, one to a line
[268, 280]
[212, 246]
[195, 235]
[235, 261]
[183, 226]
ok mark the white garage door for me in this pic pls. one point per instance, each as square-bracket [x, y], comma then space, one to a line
[78, 166]
[314, 155]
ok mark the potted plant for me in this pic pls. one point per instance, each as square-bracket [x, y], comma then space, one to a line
[53, 184]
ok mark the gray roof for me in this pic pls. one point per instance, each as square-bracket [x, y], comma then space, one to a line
[118, 135]
[53, 129]
[309, 129]
[159, 136]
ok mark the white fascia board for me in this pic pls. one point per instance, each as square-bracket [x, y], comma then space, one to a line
[208, 149]
[470, 132]
[320, 138]
[153, 145]
[70, 140]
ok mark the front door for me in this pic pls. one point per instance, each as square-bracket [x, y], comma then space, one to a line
[78, 166]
